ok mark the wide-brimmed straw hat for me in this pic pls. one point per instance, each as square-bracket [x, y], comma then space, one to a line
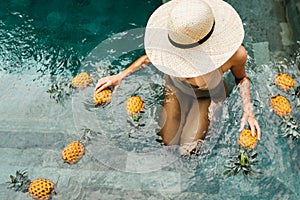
[189, 38]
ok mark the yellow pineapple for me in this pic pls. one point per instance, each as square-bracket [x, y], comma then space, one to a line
[41, 189]
[246, 139]
[134, 105]
[284, 82]
[73, 152]
[280, 105]
[82, 80]
[102, 97]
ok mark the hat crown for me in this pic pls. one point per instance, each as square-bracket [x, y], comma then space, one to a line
[190, 21]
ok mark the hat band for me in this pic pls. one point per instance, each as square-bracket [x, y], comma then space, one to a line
[187, 46]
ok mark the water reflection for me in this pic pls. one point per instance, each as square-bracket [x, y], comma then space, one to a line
[50, 48]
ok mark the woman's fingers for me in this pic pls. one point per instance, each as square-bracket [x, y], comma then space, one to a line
[107, 81]
[103, 86]
[104, 83]
[99, 84]
[257, 129]
[254, 128]
[116, 88]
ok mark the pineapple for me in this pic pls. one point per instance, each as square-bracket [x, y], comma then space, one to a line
[41, 189]
[134, 105]
[102, 97]
[73, 152]
[284, 82]
[280, 105]
[246, 139]
[82, 80]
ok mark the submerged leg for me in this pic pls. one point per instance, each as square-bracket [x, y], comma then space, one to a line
[171, 120]
[196, 127]
[173, 116]
[197, 121]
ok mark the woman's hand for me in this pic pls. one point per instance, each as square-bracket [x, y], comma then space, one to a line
[251, 120]
[115, 80]
[108, 81]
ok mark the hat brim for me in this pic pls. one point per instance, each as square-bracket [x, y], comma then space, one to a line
[226, 38]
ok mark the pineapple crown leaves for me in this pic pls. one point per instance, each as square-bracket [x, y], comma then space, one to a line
[60, 90]
[20, 182]
[135, 121]
[295, 94]
[88, 135]
[243, 162]
[290, 127]
[296, 91]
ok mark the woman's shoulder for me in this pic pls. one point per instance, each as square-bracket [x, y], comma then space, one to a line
[240, 56]
[237, 59]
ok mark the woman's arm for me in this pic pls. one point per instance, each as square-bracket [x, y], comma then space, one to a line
[115, 80]
[238, 62]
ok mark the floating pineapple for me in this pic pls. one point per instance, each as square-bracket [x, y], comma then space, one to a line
[245, 158]
[102, 97]
[73, 152]
[82, 80]
[284, 82]
[280, 105]
[41, 189]
[134, 105]
[246, 139]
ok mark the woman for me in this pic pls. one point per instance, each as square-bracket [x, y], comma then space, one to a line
[193, 42]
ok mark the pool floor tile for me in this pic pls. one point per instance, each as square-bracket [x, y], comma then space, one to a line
[161, 181]
[261, 53]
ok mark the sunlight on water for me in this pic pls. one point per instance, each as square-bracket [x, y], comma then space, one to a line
[125, 159]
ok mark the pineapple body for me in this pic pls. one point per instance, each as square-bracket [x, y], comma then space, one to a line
[280, 105]
[81, 80]
[246, 139]
[73, 152]
[134, 105]
[41, 189]
[102, 97]
[284, 82]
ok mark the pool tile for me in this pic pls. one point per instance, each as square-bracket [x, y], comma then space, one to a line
[261, 53]
[286, 34]
[162, 181]
[148, 162]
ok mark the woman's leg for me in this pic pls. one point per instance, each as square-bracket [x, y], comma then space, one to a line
[197, 121]
[172, 118]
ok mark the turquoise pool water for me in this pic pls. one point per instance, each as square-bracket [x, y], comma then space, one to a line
[44, 44]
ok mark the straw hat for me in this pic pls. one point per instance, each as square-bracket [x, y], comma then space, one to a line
[189, 38]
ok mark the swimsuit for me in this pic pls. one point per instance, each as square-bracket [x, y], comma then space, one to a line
[181, 86]
[217, 92]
